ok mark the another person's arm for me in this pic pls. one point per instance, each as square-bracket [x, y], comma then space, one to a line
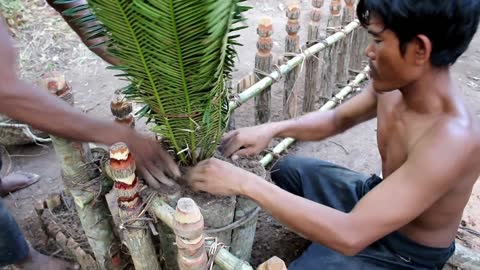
[432, 169]
[82, 32]
[314, 126]
[40, 109]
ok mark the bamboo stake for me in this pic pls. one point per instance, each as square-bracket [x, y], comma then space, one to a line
[134, 228]
[312, 63]
[292, 43]
[329, 68]
[263, 64]
[283, 145]
[188, 227]
[345, 45]
[258, 87]
[224, 259]
[359, 43]
[122, 108]
[76, 165]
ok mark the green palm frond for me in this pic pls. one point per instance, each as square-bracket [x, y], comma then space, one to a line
[177, 55]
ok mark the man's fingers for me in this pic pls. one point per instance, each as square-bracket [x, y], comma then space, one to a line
[232, 147]
[245, 152]
[228, 136]
[169, 163]
[158, 174]
[151, 181]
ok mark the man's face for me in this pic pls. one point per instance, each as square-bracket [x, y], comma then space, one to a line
[390, 70]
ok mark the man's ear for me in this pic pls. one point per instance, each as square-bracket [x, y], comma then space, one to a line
[422, 47]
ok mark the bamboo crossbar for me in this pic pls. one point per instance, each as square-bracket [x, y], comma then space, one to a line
[332, 103]
[257, 88]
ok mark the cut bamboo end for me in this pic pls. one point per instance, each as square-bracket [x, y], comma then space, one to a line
[274, 263]
[335, 8]
[349, 3]
[188, 227]
[56, 84]
[119, 151]
[317, 3]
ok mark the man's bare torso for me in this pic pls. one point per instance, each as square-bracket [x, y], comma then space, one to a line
[399, 129]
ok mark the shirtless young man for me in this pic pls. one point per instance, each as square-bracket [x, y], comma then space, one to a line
[428, 141]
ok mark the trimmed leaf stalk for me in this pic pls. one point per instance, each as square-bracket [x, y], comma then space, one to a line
[260, 86]
[122, 109]
[188, 227]
[292, 46]
[332, 103]
[76, 165]
[133, 226]
[224, 259]
[263, 64]
[312, 63]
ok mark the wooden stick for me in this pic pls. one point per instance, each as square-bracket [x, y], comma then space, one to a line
[292, 43]
[75, 159]
[188, 227]
[263, 64]
[312, 64]
[329, 68]
[258, 87]
[244, 236]
[136, 234]
[224, 259]
[283, 145]
[345, 45]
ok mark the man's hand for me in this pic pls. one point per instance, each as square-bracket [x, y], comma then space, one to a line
[247, 141]
[219, 177]
[153, 162]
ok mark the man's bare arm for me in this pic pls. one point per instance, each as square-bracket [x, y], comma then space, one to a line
[431, 170]
[40, 109]
[314, 126]
[82, 32]
[319, 125]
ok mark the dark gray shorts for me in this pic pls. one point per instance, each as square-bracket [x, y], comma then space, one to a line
[340, 188]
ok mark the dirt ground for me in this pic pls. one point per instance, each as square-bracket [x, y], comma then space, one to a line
[45, 43]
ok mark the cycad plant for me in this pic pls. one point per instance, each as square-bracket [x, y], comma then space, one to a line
[177, 56]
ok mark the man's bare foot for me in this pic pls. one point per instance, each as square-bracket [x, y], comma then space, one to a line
[38, 261]
[16, 181]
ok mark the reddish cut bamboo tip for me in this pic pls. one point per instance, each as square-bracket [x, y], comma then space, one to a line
[349, 3]
[54, 82]
[317, 3]
[265, 27]
[335, 7]
[122, 164]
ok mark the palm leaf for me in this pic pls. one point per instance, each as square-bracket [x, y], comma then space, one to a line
[177, 55]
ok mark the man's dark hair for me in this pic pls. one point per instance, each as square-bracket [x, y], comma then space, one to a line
[449, 24]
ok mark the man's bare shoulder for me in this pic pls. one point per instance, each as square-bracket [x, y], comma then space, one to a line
[453, 139]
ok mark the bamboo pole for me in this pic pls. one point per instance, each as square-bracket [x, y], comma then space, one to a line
[359, 43]
[283, 145]
[224, 259]
[133, 226]
[312, 63]
[329, 68]
[292, 48]
[188, 227]
[345, 45]
[122, 108]
[263, 64]
[76, 165]
[258, 87]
